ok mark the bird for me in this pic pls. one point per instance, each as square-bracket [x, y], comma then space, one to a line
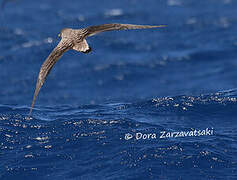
[76, 39]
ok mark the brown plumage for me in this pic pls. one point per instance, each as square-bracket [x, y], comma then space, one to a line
[75, 39]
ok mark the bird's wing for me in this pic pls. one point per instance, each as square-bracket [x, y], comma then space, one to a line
[92, 30]
[58, 51]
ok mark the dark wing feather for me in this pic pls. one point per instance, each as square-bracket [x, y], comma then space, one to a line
[58, 51]
[92, 30]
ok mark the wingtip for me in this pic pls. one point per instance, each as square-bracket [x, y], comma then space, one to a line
[162, 26]
[30, 113]
[29, 116]
[31, 108]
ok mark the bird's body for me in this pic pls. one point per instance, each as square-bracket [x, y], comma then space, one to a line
[76, 39]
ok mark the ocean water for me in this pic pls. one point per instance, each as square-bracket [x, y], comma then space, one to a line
[144, 104]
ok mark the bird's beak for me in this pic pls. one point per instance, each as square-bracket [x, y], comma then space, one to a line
[59, 35]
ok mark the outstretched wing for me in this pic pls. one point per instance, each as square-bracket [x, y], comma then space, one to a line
[58, 51]
[92, 30]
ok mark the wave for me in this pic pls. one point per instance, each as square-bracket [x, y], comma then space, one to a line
[222, 103]
[77, 139]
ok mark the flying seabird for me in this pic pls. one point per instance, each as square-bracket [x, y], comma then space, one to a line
[76, 39]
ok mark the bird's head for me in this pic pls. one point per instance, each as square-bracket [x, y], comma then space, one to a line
[65, 33]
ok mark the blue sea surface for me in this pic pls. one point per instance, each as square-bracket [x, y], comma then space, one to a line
[156, 104]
